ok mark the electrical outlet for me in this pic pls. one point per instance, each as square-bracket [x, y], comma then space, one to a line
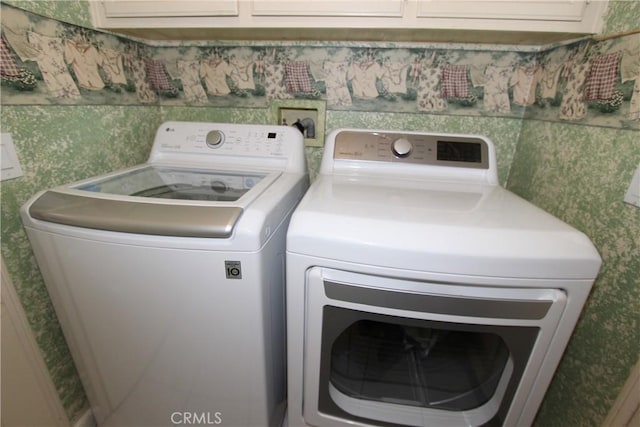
[633, 193]
[8, 158]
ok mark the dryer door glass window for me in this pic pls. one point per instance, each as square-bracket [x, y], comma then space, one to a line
[425, 367]
[177, 183]
[402, 370]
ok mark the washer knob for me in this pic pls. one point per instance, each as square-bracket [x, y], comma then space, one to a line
[214, 138]
[401, 147]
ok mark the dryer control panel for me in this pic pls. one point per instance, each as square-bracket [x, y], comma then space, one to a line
[413, 148]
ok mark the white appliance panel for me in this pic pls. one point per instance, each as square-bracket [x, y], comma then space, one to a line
[420, 292]
[169, 327]
[160, 331]
[439, 226]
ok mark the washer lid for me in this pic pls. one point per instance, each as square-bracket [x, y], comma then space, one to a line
[154, 199]
[165, 182]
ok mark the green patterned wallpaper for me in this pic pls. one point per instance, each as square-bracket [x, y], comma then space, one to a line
[622, 16]
[57, 145]
[577, 171]
[580, 174]
[71, 11]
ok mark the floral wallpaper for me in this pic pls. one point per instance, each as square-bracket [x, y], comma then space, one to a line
[580, 174]
[48, 62]
[622, 16]
[56, 146]
[592, 83]
[563, 117]
[70, 11]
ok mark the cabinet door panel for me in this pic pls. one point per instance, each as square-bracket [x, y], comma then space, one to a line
[383, 8]
[549, 10]
[168, 8]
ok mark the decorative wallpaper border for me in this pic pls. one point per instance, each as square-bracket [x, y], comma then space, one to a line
[47, 62]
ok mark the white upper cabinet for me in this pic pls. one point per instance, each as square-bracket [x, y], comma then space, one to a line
[581, 16]
[562, 16]
[146, 8]
[318, 8]
[158, 13]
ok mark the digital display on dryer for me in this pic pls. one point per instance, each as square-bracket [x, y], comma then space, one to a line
[455, 151]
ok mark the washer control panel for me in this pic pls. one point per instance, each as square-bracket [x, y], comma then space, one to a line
[224, 139]
[414, 148]
[214, 138]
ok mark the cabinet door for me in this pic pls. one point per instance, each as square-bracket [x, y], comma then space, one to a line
[167, 8]
[364, 8]
[555, 10]
[524, 15]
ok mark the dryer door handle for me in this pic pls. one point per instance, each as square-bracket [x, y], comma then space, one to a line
[456, 305]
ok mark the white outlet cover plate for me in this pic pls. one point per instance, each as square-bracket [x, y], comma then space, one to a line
[8, 159]
[633, 193]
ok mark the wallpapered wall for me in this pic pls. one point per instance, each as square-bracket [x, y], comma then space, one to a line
[580, 174]
[565, 164]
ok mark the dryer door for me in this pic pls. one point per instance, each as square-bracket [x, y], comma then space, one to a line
[381, 350]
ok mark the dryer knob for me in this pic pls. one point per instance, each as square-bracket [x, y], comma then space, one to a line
[401, 147]
[214, 138]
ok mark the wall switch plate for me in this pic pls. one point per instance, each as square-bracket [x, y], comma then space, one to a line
[633, 193]
[8, 158]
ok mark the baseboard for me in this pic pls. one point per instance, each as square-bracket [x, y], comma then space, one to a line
[31, 397]
[85, 420]
[626, 408]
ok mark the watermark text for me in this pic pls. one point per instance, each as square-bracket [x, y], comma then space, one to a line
[179, 418]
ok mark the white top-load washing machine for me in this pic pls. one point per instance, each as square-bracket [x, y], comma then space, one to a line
[168, 277]
[420, 292]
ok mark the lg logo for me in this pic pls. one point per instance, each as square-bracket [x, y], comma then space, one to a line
[233, 269]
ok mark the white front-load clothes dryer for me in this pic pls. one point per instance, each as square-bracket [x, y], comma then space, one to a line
[422, 293]
[168, 277]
